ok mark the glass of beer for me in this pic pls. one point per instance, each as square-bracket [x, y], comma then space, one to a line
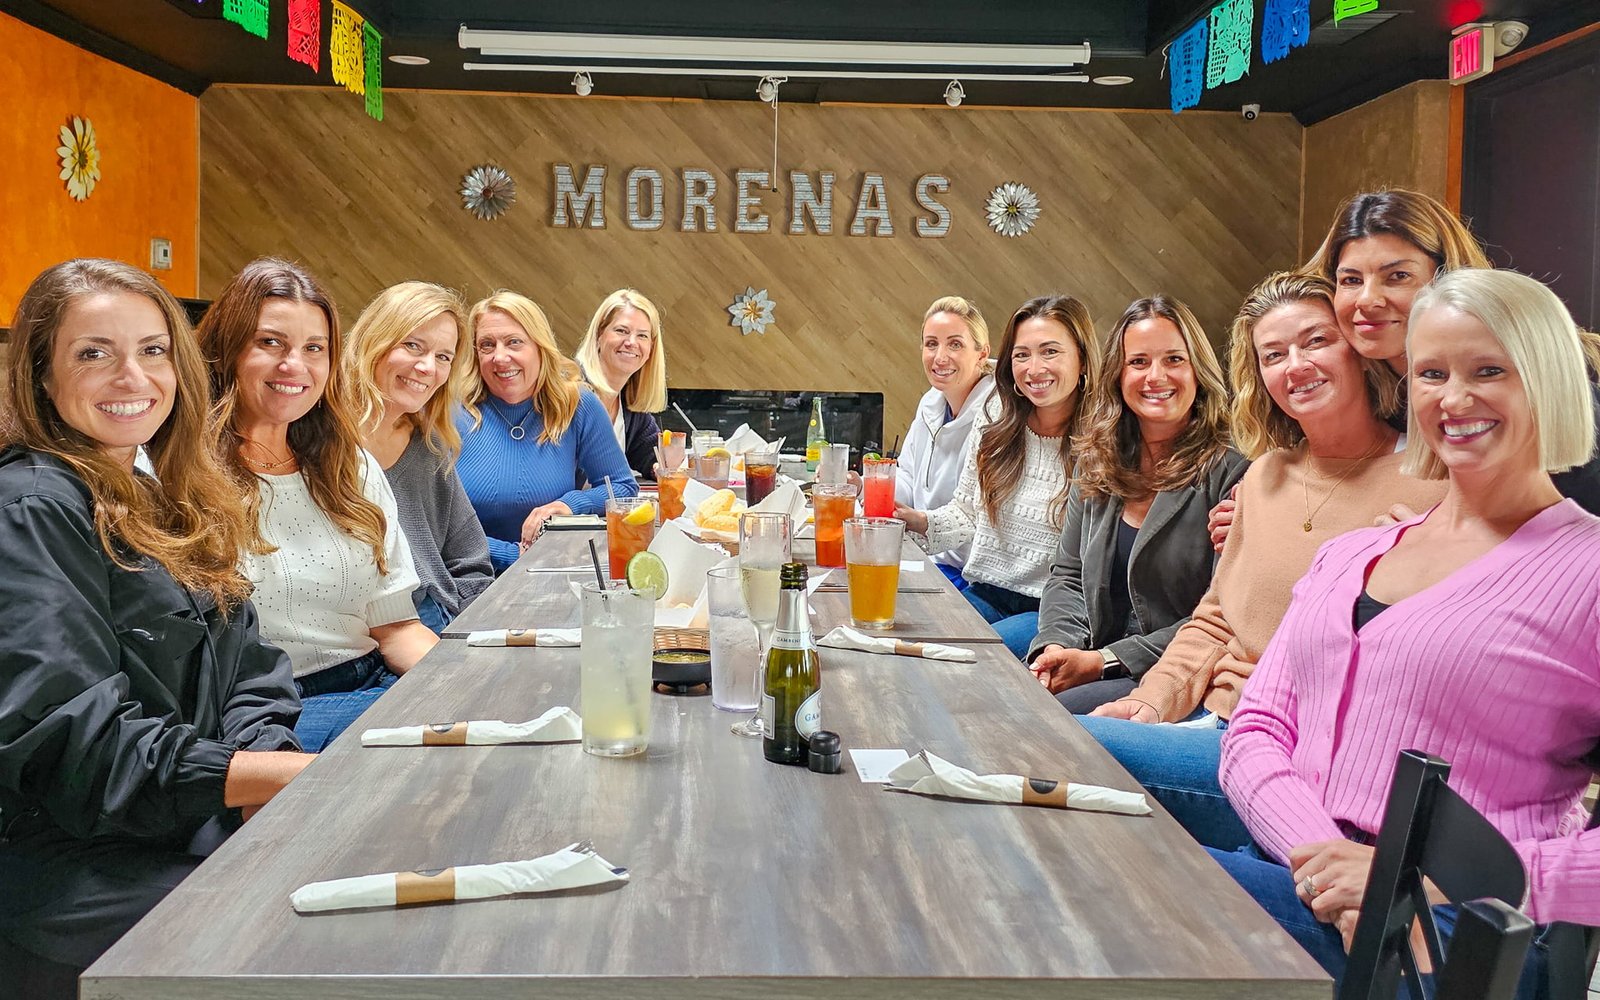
[872, 565]
[832, 503]
[877, 486]
[614, 670]
[630, 527]
[760, 474]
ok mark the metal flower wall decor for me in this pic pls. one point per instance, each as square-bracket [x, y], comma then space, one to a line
[752, 311]
[487, 191]
[1012, 209]
[80, 158]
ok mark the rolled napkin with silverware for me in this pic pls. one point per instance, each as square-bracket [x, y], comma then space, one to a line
[927, 774]
[526, 637]
[845, 637]
[559, 725]
[568, 868]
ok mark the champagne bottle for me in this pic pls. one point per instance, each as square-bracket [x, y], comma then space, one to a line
[791, 698]
[816, 435]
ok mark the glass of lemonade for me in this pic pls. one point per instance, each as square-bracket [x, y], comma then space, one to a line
[872, 564]
[735, 646]
[832, 503]
[630, 527]
[764, 546]
[614, 670]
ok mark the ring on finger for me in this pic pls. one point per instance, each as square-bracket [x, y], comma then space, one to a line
[1308, 886]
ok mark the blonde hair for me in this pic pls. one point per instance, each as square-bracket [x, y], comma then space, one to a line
[1546, 348]
[1109, 445]
[326, 442]
[394, 314]
[555, 392]
[646, 389]
[1259, 425]
[187, 518]
[967, 311]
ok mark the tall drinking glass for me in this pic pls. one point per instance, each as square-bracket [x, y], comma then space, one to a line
[764, 545]
[669, 486]
[735, 646]
[877, 487]
[630, 527]
[614, 670]
[670, 452]
[872, 564]
[832, 503]
[760, 474]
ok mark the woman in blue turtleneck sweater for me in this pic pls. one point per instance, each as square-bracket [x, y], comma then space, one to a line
[527, 427]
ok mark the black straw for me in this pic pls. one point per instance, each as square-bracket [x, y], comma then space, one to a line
[594, 554]
[894, 450]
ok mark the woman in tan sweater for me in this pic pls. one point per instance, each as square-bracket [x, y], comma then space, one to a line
[1310, 412]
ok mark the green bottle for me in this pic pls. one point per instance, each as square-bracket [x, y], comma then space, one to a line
[791, 698]
[816, 435]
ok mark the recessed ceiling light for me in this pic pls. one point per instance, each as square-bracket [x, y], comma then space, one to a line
[410, 60]
[1113, 81]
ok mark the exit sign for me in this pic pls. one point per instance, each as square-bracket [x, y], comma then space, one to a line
[1471, 54]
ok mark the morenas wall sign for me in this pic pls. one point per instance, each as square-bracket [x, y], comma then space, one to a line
[579, 205]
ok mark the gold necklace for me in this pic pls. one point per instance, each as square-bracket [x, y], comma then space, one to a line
[1305, 481]
[265, 466]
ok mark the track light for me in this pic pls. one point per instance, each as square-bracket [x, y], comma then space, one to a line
[583, 83]
[954, 95]
[767, 89]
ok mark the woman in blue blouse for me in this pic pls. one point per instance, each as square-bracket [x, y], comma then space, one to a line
[527, 428]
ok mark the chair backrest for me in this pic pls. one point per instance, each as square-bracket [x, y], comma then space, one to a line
[1428, 831]
[1571, 949]
[1486, 951]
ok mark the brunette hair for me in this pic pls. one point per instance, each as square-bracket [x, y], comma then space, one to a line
[393, 315]
[1002, 451]
[1259, 425]
[326, 442]
[186, 519]
[1109, 446]
[555, 392]
[646, 389]
[1417, 218]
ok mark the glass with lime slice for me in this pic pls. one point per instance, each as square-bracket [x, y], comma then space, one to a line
[648, 572]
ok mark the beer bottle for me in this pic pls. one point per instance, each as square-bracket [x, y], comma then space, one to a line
[791, 698]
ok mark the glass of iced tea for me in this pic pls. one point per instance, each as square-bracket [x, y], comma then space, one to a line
[712, 468]
[872, 565]
[630, 527]
[760, 474]
[670, 485]
[832, 503]
[877, 486]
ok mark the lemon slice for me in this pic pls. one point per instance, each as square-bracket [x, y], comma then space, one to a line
[717, 453]
[642, 514]
[647, 572]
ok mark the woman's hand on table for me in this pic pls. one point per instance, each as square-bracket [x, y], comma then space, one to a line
[536, 519]
[916, 520]
[1130, 709]
[1059, 668]
[1220, 520]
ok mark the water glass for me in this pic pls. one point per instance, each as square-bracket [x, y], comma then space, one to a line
[614, 667]
[834, 465]
[735, 646]
[872, 566]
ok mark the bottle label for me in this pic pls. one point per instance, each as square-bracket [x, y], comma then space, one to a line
[792, 640]
[768, 714]
[808, 718]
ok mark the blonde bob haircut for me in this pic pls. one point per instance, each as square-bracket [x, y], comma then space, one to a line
[967, 312]
[646, 389]
[555, 392]
[1259, 425]
[393, 315]
[1546, 348]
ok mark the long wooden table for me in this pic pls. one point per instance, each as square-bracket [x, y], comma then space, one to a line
[748, 878]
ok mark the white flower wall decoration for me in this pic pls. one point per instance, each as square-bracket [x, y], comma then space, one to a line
[1012, 209]
[487, 191]
[80, 158]
[752, 311]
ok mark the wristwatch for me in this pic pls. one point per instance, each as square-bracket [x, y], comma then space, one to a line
[1113, 667]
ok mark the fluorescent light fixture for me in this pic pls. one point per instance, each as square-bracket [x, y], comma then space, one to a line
[599, 49]
[808, 74]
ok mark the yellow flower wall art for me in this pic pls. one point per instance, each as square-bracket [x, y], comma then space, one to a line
[80, 158]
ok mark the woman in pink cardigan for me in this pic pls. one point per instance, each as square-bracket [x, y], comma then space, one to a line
[1470, 632]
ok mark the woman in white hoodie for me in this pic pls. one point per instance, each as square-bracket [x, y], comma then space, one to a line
[955, 354]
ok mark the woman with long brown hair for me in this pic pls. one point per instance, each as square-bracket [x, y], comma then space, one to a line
[1012, 492]
[1134, 558]
[332, 573]
[140, 704]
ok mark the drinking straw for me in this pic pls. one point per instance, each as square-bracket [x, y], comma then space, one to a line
[685, 417]
[894, 450]
[599, 577]
[609, 491]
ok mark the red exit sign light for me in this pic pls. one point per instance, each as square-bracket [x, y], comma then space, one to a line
[1471, 54]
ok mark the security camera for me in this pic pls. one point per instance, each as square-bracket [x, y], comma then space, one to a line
[583, 83]
[954, 94]
[1250, 112]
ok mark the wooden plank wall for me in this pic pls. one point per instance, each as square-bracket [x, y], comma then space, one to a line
[1196, 205]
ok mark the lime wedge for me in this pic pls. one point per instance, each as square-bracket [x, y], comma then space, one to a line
[647, 572]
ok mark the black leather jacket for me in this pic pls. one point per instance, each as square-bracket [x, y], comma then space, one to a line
[123, 696]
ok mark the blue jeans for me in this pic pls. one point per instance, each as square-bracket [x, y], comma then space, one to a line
[953, 574]
[331, 699]
[1272, 886]
[1015, 616]
[1178, 765]
[433, 614]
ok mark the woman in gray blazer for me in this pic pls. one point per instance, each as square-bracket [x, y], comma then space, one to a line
[1134, 556]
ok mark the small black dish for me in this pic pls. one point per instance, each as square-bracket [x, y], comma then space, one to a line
[681, 669]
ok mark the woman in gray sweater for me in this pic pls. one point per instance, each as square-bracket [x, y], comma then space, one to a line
[404, 347]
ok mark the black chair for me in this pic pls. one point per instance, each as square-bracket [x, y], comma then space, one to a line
[1431, 832]
[1571, 949]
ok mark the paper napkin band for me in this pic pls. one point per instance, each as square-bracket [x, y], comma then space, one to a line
[907, 648]
[444, 734]
[522, 637]
[424, 887]
[1043, 792]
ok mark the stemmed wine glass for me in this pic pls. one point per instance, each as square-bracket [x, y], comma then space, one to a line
[764, 545]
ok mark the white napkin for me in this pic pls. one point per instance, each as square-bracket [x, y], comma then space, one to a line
[785, 499]
[744, 439]
[845, 637]
[926, 774]
[695, 493]
[567, 868]
[559, 725]
[526, 637]
[687, 562]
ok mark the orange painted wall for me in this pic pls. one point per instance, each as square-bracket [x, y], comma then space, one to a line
[149, 184]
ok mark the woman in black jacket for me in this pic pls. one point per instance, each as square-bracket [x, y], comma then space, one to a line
[137, 705]
[624, 359]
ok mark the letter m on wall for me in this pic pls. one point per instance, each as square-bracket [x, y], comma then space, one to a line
[576, 207]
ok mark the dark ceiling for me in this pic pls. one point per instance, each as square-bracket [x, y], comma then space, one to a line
[186, 43]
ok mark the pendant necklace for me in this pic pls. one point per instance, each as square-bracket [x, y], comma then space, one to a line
[264, 466]
[515, 430]
[1305, 482]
